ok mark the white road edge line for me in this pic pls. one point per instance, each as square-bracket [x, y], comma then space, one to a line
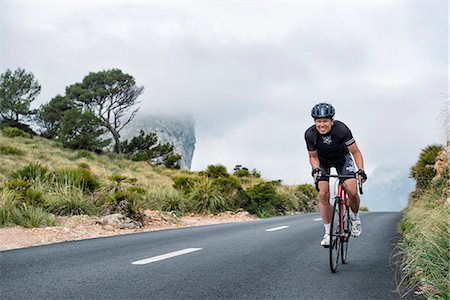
[318, 219]
[165, 256]
[277, 228]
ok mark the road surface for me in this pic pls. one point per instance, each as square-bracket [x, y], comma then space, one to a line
[276, 258]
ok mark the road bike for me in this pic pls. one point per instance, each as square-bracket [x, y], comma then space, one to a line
[340, 229]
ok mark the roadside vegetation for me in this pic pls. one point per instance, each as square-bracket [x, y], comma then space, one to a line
[424, 246]
[40, 179]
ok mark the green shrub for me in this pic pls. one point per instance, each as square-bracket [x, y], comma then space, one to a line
[9, 203]
[423, 171]
[85, 154]
[204, 197]
[126, 203]
[264, 198]
[216, 171]
[185, 184]
[119, 198]
[363, 208]
[231, 189]
[168, 200]
[13, 211]
[32, 172]
[308, 190]
[264, 212]
[307, 198]
[12, 132]
[15, 124]
[69, 200]
[18, 184]
[29, 216]
[80, 178]
[242, 173]
[9, 150]
[35, 197]
[256, 173]
[172, 161]
[83, 166]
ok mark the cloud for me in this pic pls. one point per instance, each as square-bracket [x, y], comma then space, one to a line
[250, 72]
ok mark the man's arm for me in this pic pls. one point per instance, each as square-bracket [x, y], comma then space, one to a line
[314, 159]
[353, 148]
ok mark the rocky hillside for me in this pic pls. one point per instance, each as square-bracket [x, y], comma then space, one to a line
[176, 130]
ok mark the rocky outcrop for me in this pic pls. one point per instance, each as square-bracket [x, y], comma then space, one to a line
[442, 168]
[176, 130]
[119, 221]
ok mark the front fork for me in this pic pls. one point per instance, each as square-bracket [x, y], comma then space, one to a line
[342, 209]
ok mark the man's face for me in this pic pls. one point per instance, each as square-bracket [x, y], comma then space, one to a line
[324, 125]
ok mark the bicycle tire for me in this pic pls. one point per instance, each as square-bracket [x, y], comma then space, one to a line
[335, 240]
[347, 234]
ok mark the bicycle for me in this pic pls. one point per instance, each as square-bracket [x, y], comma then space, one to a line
[340, 230]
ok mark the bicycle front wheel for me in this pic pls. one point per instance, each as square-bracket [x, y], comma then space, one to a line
[335, 240]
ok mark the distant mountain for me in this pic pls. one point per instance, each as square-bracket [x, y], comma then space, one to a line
[387, 189]
[176, 130]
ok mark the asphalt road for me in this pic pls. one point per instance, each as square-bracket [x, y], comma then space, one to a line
[229, 261]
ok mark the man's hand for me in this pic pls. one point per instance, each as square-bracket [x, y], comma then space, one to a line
[362, 174]
[316, 173]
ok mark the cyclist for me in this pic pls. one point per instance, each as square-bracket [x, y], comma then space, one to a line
[329, 144]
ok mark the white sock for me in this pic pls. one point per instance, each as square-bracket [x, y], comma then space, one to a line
[327, 228]
[355, 216]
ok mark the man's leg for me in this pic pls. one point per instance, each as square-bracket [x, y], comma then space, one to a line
[325, 210]
[352, 192]
[354, 201]
[324, 202]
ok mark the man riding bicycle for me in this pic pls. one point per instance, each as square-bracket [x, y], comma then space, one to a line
[329, 144]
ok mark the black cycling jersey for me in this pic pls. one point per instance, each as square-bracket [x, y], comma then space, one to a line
[331, 147]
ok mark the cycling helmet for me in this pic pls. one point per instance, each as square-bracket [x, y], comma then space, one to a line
[323, 110]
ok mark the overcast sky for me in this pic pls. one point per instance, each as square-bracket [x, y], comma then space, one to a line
[250, 71]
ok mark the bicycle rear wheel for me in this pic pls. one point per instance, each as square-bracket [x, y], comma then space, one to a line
[347, 230]
[335, 240]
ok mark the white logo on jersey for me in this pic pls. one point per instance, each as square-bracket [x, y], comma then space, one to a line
[327, 139]
[351, 167]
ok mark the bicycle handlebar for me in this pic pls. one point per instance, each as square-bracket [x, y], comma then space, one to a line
[316, 182]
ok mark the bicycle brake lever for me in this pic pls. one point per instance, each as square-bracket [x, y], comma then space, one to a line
[316, 182]
[360, 185]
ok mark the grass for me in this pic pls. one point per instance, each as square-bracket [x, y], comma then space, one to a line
[9, 150]
[424, 247]
[68, 200]
[13, 211]
[167, 200]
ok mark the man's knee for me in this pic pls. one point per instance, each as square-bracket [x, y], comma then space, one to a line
[351, 188]
[352, 193]
[324, 193]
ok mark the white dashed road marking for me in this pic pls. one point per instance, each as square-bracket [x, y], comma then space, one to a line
[165, 256]
[277, 228]
[318, 219]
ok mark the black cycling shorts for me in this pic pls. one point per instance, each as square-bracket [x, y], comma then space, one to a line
[343, 167]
